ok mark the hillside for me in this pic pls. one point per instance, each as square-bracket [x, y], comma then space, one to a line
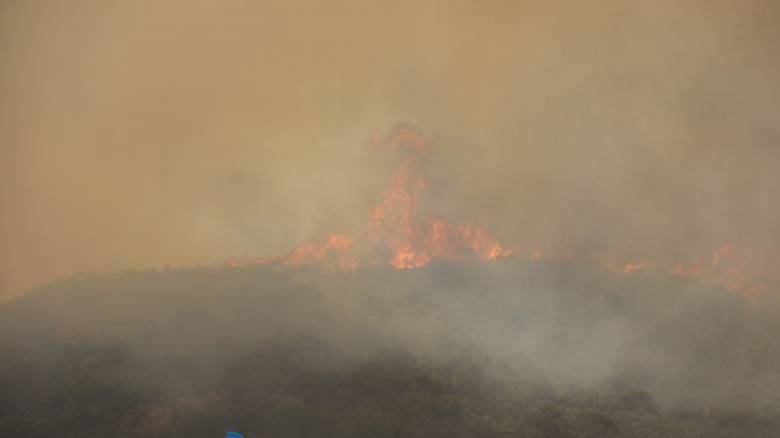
[507, 349]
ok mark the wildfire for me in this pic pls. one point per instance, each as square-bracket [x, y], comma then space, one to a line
[394, 224]
[627, 268]
[396, 235]
[314, 252]
[739, 271]
[413, 243]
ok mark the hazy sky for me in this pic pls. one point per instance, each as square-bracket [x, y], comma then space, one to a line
[152, 133]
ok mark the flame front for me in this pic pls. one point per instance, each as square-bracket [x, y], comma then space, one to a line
[318, 251]
[397, 235]
[741, 272]
[394, 227]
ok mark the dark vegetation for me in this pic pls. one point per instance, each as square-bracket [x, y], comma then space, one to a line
[192, 353]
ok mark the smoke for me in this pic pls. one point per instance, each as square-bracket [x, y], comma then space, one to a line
[183, 133]
[623, 141]
[569, 326]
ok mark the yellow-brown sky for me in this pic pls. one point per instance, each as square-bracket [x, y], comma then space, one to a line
[152, 133]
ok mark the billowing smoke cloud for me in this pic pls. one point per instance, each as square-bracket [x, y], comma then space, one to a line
[635, 146]
[184, 133]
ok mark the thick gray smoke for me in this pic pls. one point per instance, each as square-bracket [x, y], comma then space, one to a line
[686, 344]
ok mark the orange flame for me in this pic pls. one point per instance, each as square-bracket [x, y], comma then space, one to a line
[738, 271]
[408, 241]
[394, 225]
[316, 252]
